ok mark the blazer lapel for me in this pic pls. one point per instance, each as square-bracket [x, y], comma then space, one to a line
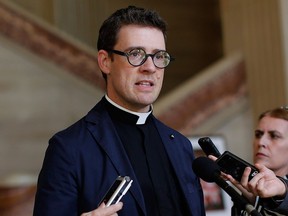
[105, 134]
[180, 162]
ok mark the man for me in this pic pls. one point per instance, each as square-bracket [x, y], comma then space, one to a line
[121, 137]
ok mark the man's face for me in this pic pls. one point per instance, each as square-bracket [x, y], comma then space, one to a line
[135, 88]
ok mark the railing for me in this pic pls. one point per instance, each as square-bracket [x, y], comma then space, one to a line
[42, 39]
[205, 95]
[17, 195]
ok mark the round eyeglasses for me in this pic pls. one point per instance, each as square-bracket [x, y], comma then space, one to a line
[138, 56]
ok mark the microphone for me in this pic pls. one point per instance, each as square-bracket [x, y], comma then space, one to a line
[209, 171]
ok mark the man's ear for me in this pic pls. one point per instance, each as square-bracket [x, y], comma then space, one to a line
[104, 61]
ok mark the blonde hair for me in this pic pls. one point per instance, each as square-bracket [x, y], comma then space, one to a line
[279, 112]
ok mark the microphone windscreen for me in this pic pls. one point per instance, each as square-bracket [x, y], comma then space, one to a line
[205, 168]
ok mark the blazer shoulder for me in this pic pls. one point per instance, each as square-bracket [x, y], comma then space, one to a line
[79, 129]
[167, 129]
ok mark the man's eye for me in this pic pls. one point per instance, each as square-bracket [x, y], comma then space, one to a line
[134, 54]
[160, 56]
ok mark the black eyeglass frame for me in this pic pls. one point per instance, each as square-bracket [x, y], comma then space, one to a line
[118, 52]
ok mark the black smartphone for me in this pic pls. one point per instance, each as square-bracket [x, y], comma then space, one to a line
[208, 147]
[117, 190]
[233, 165]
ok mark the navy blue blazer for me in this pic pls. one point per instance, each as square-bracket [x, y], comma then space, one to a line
[82, 161]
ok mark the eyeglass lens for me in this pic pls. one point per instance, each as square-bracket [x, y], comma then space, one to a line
[137, 57]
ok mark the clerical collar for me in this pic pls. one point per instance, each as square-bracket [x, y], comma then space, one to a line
[142, 117]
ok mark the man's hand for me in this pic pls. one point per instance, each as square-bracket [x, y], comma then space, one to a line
[102, 210]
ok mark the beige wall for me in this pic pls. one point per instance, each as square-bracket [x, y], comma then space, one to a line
[42, 9]
[37, 99]
[284, 25]
[257, 28]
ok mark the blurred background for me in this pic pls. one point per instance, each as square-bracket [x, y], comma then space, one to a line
[231, 65]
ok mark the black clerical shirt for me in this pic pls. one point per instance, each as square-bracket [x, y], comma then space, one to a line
[157, 179]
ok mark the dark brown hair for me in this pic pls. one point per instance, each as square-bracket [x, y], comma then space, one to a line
[126, 16]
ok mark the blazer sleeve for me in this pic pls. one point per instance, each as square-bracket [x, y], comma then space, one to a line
[57, 188]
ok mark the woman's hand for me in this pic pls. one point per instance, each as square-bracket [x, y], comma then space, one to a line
[265, 183]
[237, 184]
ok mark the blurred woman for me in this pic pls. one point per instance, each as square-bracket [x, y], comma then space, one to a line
[268, 190]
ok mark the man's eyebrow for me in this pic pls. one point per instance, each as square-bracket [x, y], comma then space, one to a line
[133, 47]
[140, 47]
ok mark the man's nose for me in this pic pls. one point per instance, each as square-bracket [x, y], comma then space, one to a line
[148, 64]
